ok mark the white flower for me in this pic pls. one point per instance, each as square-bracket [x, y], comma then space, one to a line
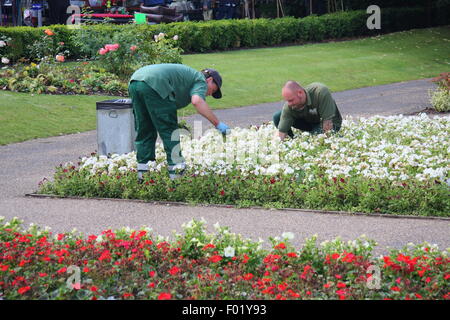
[287, 235]
[395, 148]
[229, 252]
[5, 60]
[175, 37]
[2, 44]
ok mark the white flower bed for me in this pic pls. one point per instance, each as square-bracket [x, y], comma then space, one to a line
[397, 148]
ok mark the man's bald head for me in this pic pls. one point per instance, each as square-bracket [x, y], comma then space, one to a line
[292, 86]
[294, 94]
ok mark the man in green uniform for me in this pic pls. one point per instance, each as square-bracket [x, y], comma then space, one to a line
[157, 92]
[309, 109]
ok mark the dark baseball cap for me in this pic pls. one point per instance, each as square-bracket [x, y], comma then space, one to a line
[217, 79]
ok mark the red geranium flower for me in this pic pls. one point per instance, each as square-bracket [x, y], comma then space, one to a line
[215, 259]
[248, 276]
[174, 270]
[23, 289]
[105, 255]
[280, 246]
[209, 246]
[165, 296]
[62, 270]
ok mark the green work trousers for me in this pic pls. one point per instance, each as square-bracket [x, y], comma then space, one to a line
[154, 115]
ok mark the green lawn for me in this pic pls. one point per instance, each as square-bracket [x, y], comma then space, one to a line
[253, 76]
[25, 116]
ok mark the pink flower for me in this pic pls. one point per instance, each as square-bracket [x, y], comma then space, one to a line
[112, 47]
[76, 286]
[133, 48]
[60, 58]
[103, 51]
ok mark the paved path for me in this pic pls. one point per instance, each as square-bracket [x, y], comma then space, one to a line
[23, 165]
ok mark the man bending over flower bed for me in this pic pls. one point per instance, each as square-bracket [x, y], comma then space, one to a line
[157, 92]
[310, 109]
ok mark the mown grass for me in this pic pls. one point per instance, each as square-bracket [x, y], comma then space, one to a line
[25, 116]
[251, 77]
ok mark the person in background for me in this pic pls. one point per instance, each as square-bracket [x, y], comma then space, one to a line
[232, 6]
[208, 9]
[151, 3]
[58, 11]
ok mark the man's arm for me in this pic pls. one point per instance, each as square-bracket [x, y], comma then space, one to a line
[204, 110]
[327, 109]
[286, 122]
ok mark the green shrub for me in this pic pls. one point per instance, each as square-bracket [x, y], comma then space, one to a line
[440, 98]
[229, 34]
[127, 52]
[51, 77]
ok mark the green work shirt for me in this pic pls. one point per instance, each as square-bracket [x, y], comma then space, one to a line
[320, 106]
[175, 82]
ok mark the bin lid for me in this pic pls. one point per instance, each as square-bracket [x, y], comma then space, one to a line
[114, 104]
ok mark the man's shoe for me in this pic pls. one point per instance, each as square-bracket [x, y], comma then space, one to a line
[177, 171]
[142, 169]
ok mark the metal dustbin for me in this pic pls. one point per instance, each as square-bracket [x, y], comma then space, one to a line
[115, 127]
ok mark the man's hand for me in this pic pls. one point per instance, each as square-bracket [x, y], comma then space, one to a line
[281, 135]
[223, 128]
[327, 125]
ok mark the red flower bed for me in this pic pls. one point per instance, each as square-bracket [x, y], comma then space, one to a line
[127, 264]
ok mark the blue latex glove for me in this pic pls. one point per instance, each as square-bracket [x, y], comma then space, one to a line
[222, 127]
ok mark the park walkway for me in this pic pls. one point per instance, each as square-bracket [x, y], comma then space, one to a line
[24, 164]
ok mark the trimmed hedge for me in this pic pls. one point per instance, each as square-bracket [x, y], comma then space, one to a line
[230, 34]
